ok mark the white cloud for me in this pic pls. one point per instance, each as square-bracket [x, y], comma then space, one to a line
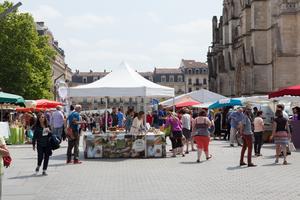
[45, 13]
[193, 27]
[88, 21]
[153, 17]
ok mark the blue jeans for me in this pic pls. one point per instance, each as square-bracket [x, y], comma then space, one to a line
[58, 132]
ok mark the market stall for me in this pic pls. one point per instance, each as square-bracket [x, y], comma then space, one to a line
[201, 95]
[290, 92]
[124, 82]
[118, 144]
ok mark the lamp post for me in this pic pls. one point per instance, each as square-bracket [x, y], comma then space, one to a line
[10, 10]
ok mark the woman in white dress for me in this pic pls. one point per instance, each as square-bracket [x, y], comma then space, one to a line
[138, 123]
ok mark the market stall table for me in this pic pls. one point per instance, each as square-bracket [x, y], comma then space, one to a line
[124, 145]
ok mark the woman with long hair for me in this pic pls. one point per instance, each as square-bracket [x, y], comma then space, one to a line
[201, 134]
[41, 142]
[281, 135]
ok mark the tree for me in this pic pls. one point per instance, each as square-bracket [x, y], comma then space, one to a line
[25, 57]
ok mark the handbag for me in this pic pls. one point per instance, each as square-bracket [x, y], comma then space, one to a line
[7, 161]
[70, 134]
[292, 147]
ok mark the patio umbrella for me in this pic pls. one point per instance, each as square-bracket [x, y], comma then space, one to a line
[187, 104]
[11, 99]
[225, 103]
[292, 91]
[45, 103]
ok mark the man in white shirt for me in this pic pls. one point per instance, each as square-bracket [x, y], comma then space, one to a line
[186, 129]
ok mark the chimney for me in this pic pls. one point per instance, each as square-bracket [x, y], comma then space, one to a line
[91, 71]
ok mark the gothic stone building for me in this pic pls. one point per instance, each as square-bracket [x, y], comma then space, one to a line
[255, 47]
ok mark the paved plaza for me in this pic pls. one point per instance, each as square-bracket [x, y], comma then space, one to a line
[153, 179]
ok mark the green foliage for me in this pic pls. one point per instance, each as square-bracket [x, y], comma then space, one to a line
[25, 57]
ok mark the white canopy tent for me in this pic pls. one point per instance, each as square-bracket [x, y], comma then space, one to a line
[124, 82]
[202, 95]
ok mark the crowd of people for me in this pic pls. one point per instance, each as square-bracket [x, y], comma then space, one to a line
[187, 129]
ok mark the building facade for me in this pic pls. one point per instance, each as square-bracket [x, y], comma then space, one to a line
[176, 78]
[255, 47]
[196, 75]
[170, 77]
[60, 70]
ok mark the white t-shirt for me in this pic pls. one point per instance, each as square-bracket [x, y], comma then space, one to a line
[136, 126]
[186, 121]
[258, 124]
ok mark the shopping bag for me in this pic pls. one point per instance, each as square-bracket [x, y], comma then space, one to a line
[70, 134]
[292, 147]
[168, 130]
[7, 161]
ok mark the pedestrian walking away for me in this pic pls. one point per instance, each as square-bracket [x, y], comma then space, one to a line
[41, 142]
[57, 122]
[235, 119]
[186, 129]
[258, 132]
[281, 135]
[246, 131]
[201, 134]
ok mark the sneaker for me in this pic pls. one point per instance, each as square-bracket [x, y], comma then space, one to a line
[209, 157]
[243, 163]
[183, 155]
[77, 162]
[231, 145]
[276, 161]
[198, 161]
[45, 173]
[69, 161]
[251, 165]
[285, 162]
[37, 169]
[186, 152]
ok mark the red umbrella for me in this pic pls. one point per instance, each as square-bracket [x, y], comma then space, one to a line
[187, 104]
[45, 103]
[292, 91]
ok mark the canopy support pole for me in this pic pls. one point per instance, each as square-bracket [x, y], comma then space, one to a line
[174, 104]
[106, 116]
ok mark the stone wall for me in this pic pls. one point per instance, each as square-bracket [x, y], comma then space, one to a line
[258, 48]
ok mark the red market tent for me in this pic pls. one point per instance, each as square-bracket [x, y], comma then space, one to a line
[19, 109]
[187, 104]
[47, 104]
[292, 91]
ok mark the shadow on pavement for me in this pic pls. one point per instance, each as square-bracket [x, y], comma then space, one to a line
[191, 163]
[236, 168]
[26, 176]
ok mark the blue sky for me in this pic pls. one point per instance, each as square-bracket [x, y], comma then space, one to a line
[100, 34]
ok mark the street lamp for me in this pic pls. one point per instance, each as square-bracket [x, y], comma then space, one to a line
[10, 10]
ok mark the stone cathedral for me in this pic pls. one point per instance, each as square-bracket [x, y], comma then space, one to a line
[255, 47]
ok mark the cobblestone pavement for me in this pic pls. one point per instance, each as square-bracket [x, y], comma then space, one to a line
[153, 179]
